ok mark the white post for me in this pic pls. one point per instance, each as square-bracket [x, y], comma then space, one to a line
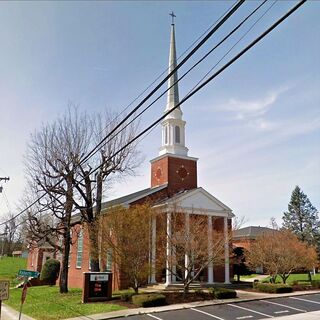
[153, 249]
[168, 256]
[174, 266]
[186, 256]
[226, 252]
[210, 265]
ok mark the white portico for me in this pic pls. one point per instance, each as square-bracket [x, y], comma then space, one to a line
[192, 203]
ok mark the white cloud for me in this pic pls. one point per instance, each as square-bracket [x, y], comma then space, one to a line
[252, 109]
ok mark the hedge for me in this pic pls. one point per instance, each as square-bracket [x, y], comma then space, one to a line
[223, 293]
[315, 284]
[50, 271]
[149, 300]
[126, 296]
[273, 288]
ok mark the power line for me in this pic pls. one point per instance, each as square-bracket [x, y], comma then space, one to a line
[232, 10]
[197, 63]
[199, 87]
[228, 64]
[189, 55]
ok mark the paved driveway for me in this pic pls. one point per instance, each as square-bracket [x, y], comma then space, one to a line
[252, 310]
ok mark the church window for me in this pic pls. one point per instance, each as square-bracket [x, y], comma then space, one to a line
[166, 133]
[79, 249]
[177, 134]
[109, 260]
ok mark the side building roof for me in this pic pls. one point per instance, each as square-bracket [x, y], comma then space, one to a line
[251, 232]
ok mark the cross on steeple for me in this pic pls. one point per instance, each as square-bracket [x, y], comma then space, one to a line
[172, 16]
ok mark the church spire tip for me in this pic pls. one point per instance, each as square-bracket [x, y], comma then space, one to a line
[172, 17]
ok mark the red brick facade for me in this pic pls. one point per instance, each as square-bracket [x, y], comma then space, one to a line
[178, 172]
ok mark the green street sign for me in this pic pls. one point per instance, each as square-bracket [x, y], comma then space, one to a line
[28, 273]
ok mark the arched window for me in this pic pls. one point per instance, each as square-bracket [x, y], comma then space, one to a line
[166, 134]
[177, 134]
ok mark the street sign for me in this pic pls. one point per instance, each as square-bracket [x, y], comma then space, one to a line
[4, 290]
[28, 274]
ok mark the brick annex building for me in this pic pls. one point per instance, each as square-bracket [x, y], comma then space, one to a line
[173, 185]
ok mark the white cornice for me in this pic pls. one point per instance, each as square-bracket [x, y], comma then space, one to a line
[173, 156]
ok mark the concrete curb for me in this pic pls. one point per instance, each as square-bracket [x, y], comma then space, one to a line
[180, 306]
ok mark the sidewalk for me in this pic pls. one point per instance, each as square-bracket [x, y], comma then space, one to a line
[242, 296]
[7, 313]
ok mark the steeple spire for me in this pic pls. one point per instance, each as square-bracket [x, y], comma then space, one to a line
[173, 127]
[173, 93]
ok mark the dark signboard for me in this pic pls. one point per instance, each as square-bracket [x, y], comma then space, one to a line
[97, 286]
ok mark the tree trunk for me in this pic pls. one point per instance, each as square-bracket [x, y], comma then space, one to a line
[93, 230]
[63, 282]
[66, 236]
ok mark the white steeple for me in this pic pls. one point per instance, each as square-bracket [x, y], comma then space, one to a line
[173, 127]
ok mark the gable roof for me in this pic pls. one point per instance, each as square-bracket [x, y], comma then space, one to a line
[251, 232]
[124, 201]
[130, 198]
[197, 201]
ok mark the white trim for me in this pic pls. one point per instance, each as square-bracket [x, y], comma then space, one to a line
[189, 193]
[173, 156]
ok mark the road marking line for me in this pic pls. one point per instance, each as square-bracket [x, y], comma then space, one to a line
[316, 302]
[283, 305]
[152, 316]
[250, 310]
[281, 311]
[244, 317]
[207, 314]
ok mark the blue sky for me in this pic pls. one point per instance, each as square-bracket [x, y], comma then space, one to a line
[255, 129]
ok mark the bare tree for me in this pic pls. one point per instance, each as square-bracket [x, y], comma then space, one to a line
[114, 160]
[190, 250]
[11, 238]
[58, 169]
[52, 160]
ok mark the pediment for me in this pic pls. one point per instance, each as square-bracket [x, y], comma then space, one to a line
[198, 201]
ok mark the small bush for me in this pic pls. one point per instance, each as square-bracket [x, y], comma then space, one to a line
[50, 271]
[255, 282]
[273, 288]
[149, 300]
[126, 296]
[315, 284]
[223, 293]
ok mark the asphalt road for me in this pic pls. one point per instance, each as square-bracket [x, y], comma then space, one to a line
[253, 310]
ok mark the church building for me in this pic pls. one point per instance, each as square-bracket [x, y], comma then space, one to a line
[174, 183]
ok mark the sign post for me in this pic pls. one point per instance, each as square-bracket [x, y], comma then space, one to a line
[4, 292]
[26, 274]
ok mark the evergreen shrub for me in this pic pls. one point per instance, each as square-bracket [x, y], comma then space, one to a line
[273, 288]
[126, 296]
[149, 300]
[223, 293]
[315, 284]
[50, 271]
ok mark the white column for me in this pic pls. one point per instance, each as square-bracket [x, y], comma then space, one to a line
[226, 252]
[174, 266]
[186, 256]
[168, 256]
[210, 265]
[153, 250]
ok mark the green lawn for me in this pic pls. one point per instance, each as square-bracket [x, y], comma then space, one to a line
[301, 277]
[46, 303]
[9, 268]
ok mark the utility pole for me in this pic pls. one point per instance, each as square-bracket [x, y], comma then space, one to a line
[5, 179]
